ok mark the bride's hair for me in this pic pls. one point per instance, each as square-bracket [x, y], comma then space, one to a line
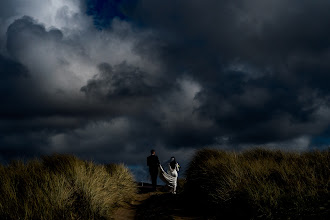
[173, 162]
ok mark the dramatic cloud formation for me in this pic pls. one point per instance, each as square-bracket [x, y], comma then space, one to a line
[262, 65]
[110, 79]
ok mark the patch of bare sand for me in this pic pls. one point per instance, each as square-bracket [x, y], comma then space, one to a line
[154, 205]
[129, 211]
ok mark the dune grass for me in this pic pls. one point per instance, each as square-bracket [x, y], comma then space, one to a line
[260, 183]
[63, 187]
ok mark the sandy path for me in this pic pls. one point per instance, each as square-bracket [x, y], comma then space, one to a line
[129, 212]
[151, 205]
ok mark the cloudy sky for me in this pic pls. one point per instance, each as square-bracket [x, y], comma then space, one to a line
[110, 79]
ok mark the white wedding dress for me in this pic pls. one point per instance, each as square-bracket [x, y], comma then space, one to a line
[171, 177]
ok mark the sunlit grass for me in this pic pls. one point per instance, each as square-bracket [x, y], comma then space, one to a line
[63, 187]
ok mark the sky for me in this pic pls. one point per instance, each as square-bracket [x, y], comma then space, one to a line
[108, 80]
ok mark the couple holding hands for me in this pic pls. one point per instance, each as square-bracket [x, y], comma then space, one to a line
[155, 168]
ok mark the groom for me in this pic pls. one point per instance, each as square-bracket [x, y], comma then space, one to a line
[153, 163]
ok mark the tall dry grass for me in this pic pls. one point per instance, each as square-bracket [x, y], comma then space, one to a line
[63, 187]
[260, 183]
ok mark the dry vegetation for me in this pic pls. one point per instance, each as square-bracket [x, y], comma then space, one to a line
[260, 184]
[253, 184]
[63, 187]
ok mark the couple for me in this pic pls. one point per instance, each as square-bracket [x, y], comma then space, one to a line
[155, 169]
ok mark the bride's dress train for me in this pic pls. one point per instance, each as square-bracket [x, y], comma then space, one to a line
[170, 178]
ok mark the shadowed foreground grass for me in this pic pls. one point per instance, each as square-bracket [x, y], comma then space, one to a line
[63, 187]
[260, 184]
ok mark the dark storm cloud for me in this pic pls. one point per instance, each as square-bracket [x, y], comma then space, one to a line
[125, 107]
[23, 145]
[151, 105]
[117, 82]
[26, 97]
[12, 75]
[174, 75]
[263, 65]
[248, 27]
[26, 29]
[10, 69]
[21, 94]
[207, 35]
[15, 143]
[28, 116]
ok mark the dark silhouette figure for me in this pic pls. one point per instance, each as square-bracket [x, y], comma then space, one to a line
[153, 163]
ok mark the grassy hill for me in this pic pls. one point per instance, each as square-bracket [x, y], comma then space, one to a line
[260, 184]
[63, 187]
[253, 184]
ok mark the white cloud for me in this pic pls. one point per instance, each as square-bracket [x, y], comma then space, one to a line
[60, 67]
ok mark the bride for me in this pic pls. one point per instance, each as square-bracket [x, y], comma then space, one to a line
[171, 177]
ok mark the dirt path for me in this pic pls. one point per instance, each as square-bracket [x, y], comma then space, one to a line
[154, 205]
[129, 212]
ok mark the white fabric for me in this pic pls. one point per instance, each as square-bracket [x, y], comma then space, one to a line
[171, 177]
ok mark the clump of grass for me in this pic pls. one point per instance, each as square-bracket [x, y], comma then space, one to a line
[63, 187]
[260, 183]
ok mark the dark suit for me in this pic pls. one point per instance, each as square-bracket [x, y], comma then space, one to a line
[153, 163]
